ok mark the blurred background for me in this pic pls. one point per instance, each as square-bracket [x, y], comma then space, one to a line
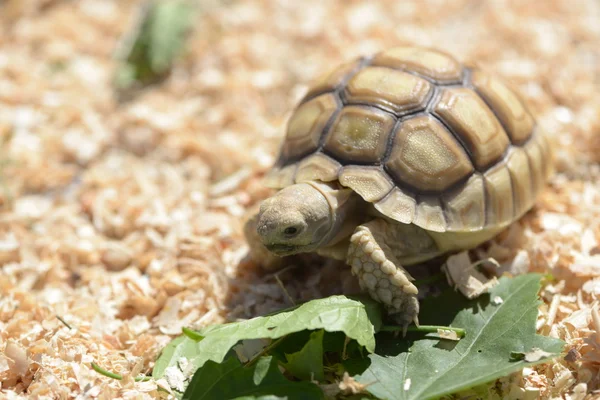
[133, 136]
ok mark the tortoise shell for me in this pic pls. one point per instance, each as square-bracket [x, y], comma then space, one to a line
[424, 138]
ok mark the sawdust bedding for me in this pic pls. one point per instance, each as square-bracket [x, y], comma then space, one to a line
[125, 219]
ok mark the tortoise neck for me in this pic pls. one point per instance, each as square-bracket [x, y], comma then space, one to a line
[344, 205]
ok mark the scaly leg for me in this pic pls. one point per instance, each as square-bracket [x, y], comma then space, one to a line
[373, 255]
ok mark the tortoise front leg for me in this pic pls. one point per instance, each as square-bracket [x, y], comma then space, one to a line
[372, 260]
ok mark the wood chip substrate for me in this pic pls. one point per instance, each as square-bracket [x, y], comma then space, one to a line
[121, 221]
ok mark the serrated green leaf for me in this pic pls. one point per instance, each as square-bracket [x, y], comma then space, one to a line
[307, 364]
[291, 343]
[430, 368]
[230, 380]
[261, 370]
[179, 347]
[267, 397]
[247, 349]
[358, 318]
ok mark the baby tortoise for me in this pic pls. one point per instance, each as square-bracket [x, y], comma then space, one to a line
[398, 158]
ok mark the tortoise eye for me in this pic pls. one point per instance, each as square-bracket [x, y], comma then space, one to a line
[290, 230]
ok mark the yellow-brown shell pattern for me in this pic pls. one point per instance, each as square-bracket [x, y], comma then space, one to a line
[425, 139]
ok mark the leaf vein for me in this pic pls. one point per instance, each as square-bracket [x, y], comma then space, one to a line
[475, 339]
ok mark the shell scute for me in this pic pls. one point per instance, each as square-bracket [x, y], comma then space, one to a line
[333, 79]
[306, 125]
[536, 163]
[360, 134]
[433, 64]
[498, 186]
[465, 205]
[430, 214]
[318, 167]
[280, 177]
[474, 123]
[398, 205]
[520, 175]
[397, 91]
[371, 183]
[509, 109]
[426, 156]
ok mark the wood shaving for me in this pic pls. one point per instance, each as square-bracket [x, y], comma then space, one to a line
[126, 218]
[535, 355]
[448, 335]
[349, 386]
[461, 274]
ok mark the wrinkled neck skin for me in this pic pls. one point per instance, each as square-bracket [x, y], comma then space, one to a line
[346, 214]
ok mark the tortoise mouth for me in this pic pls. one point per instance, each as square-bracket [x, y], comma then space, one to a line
[281, 249]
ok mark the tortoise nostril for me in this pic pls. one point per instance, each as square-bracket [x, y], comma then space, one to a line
[290, 230]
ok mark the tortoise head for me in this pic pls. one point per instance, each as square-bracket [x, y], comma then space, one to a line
[297, 219]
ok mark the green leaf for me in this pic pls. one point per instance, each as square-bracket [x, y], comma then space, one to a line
[149, 49]
[261, 370]
[267, 397]
[170, 21]
[430, 368]
[230, 380]
[307, 364]
[180, 347]
[358, 319]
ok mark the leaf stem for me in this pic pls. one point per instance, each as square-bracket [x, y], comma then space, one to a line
[195, 336]
[264, 351]
[424, 328]
[104, 372]
[109, 374]
[346, 341]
